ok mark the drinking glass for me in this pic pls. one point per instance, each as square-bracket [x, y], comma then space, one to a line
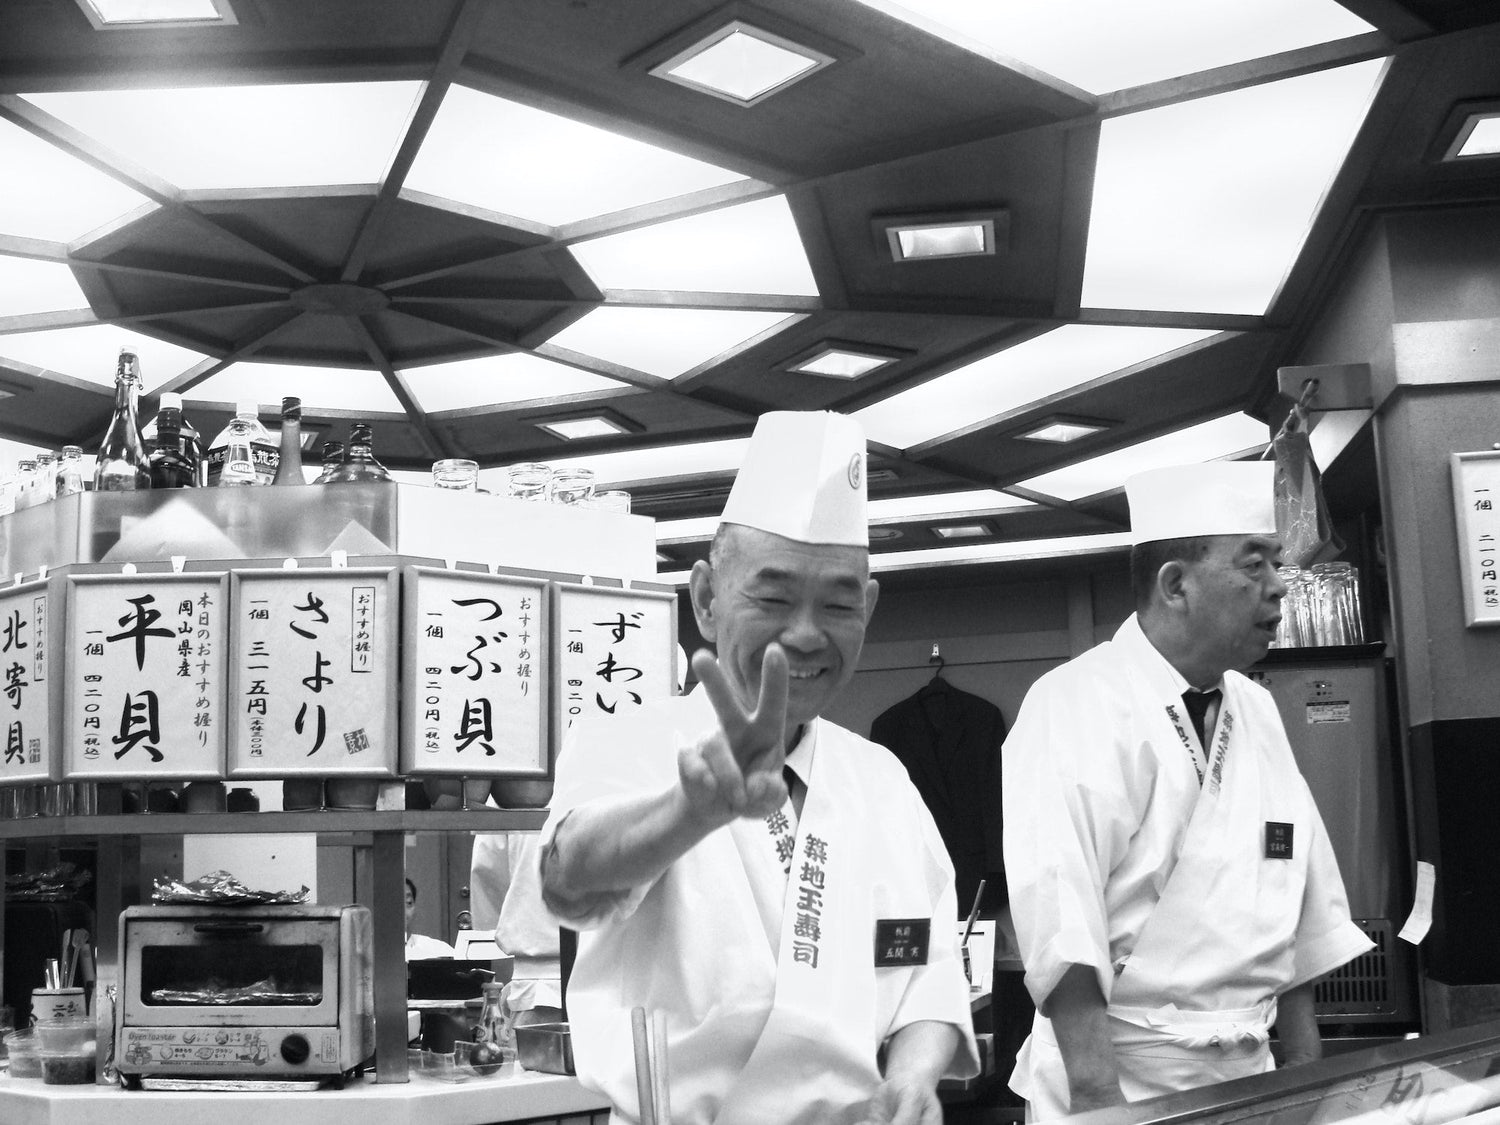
[611, 500]
[530, 480]
[456, 473]
[572, 486]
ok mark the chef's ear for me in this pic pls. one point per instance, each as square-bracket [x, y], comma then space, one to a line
[701, 592]
[1171, 584]
[872, 595]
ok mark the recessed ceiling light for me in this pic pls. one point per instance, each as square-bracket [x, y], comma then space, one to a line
[925, 237]
[1060, 431]
[664, 560]
[587, 426]
[106, 14]
[964, 531]
[884, 534]
[1479, 135]
[742, 63]
[842, 361]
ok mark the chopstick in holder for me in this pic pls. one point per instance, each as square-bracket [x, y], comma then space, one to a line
[644, 1083]
[660, 1072]
[973, 913]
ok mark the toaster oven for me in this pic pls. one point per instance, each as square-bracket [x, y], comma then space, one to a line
[272, 992]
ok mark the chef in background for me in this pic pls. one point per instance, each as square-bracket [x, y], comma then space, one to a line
[787, 934]
[420, 947]
[1173, 889]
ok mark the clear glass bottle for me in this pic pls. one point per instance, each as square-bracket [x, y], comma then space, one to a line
[333, 456]
[495, 1025]
[359, 462]
[25, 483]
[243, 453]
[189, 442]
[121, 462]
[289, 466]
[69, 478]
[170, 466]
[8, 486]
[44, 487]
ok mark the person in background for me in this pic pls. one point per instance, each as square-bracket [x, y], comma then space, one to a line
[791, 936]
[1173, 889]
[420, 947]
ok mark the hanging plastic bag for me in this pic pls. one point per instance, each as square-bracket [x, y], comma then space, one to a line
[1302, 520]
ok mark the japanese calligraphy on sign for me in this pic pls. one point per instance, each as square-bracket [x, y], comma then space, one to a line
[475, 651]
[313, 680]
[1476, 499]
[25, 684]
[612, 648]
[144, 695]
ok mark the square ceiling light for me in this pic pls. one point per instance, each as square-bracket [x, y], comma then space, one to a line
[742, 64]
[112, 14]
[964, 531]
[1059, 430]
[913, 238]
[597, 424]
[834, 360]
[1472, 129]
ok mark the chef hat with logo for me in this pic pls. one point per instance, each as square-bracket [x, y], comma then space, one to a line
[1215, 498]
[803, 478]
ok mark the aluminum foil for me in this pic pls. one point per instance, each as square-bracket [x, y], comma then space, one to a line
[220, 888]
[262, 992]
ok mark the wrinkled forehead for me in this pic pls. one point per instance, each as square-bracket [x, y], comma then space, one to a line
[1235, 548]
[752, 555]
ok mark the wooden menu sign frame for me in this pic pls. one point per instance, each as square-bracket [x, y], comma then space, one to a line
[1476, 504]
[30, 690]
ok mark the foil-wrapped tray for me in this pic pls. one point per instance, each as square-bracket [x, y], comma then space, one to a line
[220, 888]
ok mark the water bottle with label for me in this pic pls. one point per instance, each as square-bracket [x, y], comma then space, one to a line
[243, 453]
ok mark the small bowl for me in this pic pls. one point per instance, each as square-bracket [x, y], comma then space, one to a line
[64, 1037]
[204, 796]
[69, 1068]
[547, 1047]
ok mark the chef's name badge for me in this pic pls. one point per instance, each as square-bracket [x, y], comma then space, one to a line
[901, 941]
[1278, 840]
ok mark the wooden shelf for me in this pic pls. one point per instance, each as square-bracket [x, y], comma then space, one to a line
[282, 823]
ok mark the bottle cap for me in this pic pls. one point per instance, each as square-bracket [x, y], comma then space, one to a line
[170, 400]
[72, 451]
[291, 407]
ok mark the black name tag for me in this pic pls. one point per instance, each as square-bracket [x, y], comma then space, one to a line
[901, 941]
[1278, 840]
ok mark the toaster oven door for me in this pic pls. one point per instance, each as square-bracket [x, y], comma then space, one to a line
[233, 970]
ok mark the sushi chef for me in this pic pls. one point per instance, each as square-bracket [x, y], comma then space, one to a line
[769, 881]
[1174, 892]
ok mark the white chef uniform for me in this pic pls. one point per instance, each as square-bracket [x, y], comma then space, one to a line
[774, 1006]
[1120, 860]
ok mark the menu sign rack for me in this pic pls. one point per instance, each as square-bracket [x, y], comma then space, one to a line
[1476, 500]
[28, 683]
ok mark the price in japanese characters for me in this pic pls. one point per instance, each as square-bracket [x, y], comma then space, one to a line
[145, 676]
[1476, 497]
[25, 705]
[613, 650]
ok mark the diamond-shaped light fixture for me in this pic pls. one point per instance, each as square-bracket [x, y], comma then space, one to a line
[595, 424]
[833, 359]
[969, 234]
[1060, 429]
[1472, 129]
[115, 14]
[742, 64]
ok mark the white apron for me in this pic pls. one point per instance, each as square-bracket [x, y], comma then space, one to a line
[1221, 892]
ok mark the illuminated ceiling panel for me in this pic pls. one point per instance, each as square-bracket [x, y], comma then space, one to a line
[665, 342]
[324, 388]
[1202, 206]
[687, 460]
[525, 162]
[748, 248]
[89, 353]
[28, 286]
[1104, 45]
[57, 197]
[1056, 361]
[496, 379]
[1207, 441]
[247, 136]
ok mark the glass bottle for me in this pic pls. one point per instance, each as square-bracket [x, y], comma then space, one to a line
[25, 483]
[170, 467]
[44, 486]
[189, 442]
[289, 467]
[333, 456]
[121, 462]
[359, 462]
[495, 1022]
[69, 478]
[243, 453]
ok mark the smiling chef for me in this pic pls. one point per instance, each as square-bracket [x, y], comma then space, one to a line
[1173, 889]
[791, 926]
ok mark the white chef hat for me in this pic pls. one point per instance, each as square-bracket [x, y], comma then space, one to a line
[803, 478]
[1214, 498]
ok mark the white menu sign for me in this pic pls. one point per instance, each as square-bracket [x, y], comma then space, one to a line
[25, 684]
[1476, 499]
[144, 692]
[613, 650]
[475, 662]
[313, 682]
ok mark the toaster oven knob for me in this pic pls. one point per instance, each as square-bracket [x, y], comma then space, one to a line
[295, 1049]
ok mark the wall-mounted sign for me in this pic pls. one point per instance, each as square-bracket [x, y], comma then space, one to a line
[313, 679]
[26, 684]
[144, 689]
[613, 650]
[1476, 501]
[475, 673]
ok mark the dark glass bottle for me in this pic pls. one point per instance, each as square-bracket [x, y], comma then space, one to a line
[289, 467]
[190, 442]
[333, 456]
[170, 466]
[121, 464]
[359, 462]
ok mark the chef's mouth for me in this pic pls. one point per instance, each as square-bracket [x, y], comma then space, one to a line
[804, 675]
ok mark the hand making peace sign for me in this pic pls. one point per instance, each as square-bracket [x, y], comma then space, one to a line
[736, 771]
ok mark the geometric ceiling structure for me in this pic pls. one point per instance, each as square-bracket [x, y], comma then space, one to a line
[465, 221]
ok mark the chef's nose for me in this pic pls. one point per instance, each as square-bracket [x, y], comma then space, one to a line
[802, 632]
[1277, 587]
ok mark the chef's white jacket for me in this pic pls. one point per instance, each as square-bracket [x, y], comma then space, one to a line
[775, 1009]
[1195, 902]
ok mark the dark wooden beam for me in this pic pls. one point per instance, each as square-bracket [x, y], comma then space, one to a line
[364, 331]
[243, 348]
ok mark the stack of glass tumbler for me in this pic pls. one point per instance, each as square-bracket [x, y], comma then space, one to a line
[1321, 606]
